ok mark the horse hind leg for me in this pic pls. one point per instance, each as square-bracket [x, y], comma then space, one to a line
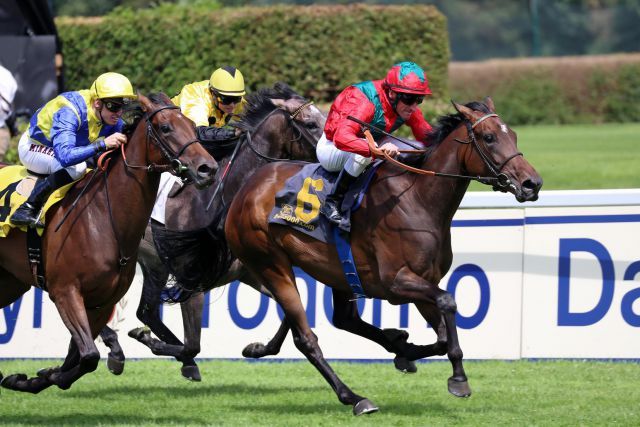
[10, 290]
[284, 291]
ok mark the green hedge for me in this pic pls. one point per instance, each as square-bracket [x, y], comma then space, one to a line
[318, 50]
[598, 89]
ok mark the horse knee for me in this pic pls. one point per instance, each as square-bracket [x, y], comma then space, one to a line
[446, 303]
[89, 362]
[306, 344]
[440, 348]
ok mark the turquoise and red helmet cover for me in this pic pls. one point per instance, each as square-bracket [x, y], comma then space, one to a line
[407, 77]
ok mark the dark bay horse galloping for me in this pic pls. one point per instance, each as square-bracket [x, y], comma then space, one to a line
[279, 125]
[89, 262]
[401, 236]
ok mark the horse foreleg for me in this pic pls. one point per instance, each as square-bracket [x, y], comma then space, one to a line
[192, 323]
[155, 276]
[115, 358]
[256, 350]
[346, 317]
[83, 331]
[408, 285]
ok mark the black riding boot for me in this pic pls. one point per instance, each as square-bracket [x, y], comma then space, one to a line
[28, 213]
[332, 205]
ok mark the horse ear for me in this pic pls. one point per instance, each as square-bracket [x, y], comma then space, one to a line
[145, 102]
[489, 103]
[465, 111]
[280, 103]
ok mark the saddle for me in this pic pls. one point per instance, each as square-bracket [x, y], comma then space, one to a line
[16, 184]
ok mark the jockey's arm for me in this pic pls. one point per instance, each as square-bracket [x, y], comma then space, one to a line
[64, 136]
[419, 126]
[211, 134]
[348, 135]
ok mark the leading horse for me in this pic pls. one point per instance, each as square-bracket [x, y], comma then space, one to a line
[89, 258]
[400, 236]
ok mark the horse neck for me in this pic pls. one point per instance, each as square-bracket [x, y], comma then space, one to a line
[441, 196]
[269, 140]
[131, 191]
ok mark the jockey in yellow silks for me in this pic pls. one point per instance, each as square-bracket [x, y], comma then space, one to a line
[212, 103]
[65, 132]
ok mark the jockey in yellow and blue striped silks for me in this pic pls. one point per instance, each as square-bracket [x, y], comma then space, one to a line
[68, 130]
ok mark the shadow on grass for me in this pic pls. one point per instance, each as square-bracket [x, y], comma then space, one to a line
[98, 419]
[188, 390]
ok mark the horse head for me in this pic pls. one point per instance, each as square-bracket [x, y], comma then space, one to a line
[280, 114]
[174, 141]
[492, 151]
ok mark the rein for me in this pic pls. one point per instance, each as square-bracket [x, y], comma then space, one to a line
[103, 163]
[291, 117]
[500, 180]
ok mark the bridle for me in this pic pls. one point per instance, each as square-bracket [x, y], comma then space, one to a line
[503, 182]
[175, 164]
[103, 162]
[303, 133]
[499, 181]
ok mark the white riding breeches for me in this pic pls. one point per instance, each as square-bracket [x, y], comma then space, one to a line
[333, 159]
[41, 160]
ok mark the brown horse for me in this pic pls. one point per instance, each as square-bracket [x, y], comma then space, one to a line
[90, 260]
[400, 236]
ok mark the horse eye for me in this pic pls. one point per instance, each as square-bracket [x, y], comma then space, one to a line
[488, 137]
[311, 125]
[165, 128]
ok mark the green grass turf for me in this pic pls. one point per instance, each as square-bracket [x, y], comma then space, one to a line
[582, 157]
[151, 392]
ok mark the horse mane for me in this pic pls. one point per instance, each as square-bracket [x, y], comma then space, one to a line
[448, 123]
[133, 112]
[259, 104]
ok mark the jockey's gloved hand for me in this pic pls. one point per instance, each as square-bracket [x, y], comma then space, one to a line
[211, 134]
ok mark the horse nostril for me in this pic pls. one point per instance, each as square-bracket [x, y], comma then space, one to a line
[206, 170]
[532, 184]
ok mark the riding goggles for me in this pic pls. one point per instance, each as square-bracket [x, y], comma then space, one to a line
[228, 100]
[114, 105]
[409, 99]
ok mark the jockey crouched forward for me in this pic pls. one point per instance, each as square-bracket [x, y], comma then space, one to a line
[211, 104]
[68, 130]
[386, 104]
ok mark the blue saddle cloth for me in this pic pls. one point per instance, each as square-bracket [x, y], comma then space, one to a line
[298, 203]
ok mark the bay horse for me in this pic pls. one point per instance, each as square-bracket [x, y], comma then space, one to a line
[400, 236]
[89, 258]
[279, 124]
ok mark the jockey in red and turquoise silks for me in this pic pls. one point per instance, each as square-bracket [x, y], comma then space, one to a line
[386, 104]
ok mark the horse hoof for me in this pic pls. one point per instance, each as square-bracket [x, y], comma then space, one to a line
[459, 387]
[138, 333]
[402, 364]
[255, 350]
[191, 372]
[45, 372]
[114, 365]
[11, 381]
[365, 406]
